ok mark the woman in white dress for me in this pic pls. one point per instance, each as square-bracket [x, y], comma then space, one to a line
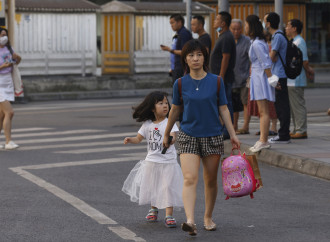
[261, 77]
[7, 58]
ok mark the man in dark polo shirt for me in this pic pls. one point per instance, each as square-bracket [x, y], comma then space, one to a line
[197, 26]
[223, 57]
[179, 39]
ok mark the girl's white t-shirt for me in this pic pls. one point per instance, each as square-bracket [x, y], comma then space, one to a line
[154, 134]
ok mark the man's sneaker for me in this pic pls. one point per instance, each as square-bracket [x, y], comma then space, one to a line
[299, 136]
[259, 146]
[2, 147]
[277, 140]
[11, 145]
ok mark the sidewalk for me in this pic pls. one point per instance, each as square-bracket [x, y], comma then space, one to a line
[308, 156]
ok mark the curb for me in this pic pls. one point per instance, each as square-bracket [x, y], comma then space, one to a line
[295, 163]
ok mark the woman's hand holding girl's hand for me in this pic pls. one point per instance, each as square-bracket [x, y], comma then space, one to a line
[235, 142]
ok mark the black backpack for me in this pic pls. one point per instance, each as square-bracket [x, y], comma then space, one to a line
[294, 59]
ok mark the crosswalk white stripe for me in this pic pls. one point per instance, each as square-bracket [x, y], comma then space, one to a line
[29, 129]
[79, 131]
[71, 145]
[132, 157]
[76, 138]
[72, 105]
[104, 149]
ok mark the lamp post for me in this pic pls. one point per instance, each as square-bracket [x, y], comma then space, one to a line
[188, 13]
[223, 5]
[11, 21]
[279, 11]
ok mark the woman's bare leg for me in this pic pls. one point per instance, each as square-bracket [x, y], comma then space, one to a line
[8, 116]
[190, 167]
[210, 173]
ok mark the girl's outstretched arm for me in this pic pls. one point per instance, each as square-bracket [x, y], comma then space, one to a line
[133, 140]
[225, 115]
[172, 117]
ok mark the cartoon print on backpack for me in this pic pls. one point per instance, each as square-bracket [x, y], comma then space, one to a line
[237, 177]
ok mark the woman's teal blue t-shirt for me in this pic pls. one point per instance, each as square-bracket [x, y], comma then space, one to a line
[201, 113]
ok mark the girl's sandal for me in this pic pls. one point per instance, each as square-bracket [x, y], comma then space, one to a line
[152, 215]
[189, 227]
[170, 222]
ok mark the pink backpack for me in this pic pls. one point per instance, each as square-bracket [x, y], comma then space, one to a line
[237, 177]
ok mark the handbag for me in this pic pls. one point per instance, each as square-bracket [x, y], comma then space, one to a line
[252, 159]
[17, 80]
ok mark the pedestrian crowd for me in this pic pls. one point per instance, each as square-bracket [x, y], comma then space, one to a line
[242, 72]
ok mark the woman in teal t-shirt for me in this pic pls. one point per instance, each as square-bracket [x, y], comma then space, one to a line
[200, 136]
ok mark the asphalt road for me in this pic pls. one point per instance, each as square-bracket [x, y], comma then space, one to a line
[64, 184]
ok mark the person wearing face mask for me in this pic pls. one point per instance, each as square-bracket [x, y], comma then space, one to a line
[223, 57]
[7, 58]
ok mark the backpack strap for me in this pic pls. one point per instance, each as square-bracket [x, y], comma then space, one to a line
[218, 89]
[284, 65]
[180, 90]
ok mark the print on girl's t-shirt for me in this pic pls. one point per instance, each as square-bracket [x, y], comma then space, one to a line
[155, 140]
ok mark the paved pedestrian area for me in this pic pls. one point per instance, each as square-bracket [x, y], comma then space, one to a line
[309, 156]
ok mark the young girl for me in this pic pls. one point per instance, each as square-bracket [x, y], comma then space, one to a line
[158, 179]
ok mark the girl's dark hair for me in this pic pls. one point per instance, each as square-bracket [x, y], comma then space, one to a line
[255, 27]
[143, 112]
[8, 43]
[191, 46]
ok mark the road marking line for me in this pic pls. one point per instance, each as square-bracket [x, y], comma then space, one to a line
[89, 144]
[71, 110]
[104, 149]
[125, 233]
[72, 105]
[78, 131]
[29, 129]
[82, 163]
[86, 137]
[67, 197]
[83, 207]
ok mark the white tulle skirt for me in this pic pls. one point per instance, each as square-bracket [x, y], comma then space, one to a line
[157, 184]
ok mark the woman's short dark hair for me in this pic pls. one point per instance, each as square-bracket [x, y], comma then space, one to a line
[143, 111]
[296, 23]
[274, 20]
[255, 27]
[191, 46]
[178, 18]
